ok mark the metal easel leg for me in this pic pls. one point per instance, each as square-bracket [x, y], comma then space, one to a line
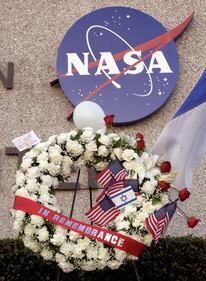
[136, 271]
[71, 214]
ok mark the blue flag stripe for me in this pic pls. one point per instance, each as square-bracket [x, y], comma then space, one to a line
[126, 203]
[196, 97]
[124, 191]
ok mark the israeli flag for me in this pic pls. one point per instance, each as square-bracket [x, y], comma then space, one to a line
[123, 197]
[183, 140]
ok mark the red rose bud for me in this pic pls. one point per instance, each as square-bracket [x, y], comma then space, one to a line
[165, 167]
[164, 186]
[109, 119]
[139, 136]
[184, 194]
[140, 145]
[192, 222]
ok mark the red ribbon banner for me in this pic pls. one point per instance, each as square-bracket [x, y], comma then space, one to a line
[105, 236]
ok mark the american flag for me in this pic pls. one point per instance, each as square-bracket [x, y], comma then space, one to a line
[158, 221]
[111, 173]
[103, 212]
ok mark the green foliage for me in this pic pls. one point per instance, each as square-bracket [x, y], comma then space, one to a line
[173, 259]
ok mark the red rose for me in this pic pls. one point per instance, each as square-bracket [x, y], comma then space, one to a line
[109, 119]
[139, 136]
[140, 144]
[164, 186]
[165, 167]
[184, 194]
[192, 222]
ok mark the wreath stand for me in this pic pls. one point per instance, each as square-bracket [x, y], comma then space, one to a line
[91, 187]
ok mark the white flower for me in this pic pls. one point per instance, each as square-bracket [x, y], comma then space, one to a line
[43, 157]
[36, 220]
[92, 252]
[17, 225]
[147, 239]
[42, 146]
[47, 180]
[32, 185]
[43, 189]
[120, 255]
[100, 166]
[103, 254]
[114, 264]
[62, 138]
[44, 166]
[58, 239]
[66, 248]
[55, 154]
[149, 159]
[92, 146]
[88, 155]
[66, 166]
[170, 177]
[51, 140]
[105, 140]
[88, 265]
[87, 135]
[42, 234]
[53, 169]
[74, 148]
[73, 235]
[20, 215]
[47, 254]
[29, 229]
[23, 192]
[117, 152]
[66, 266]
[103, 151]
[20, 178]
[26, 163]
[164, 199]
[122, 225]
[148, 207]
[148, 187]
[31, 244]
[33, 172]
[72, 134]
[128, 154]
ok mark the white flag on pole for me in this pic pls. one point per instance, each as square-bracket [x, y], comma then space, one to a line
[183, 140]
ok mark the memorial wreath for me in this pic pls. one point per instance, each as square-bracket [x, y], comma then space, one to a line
[135, 193]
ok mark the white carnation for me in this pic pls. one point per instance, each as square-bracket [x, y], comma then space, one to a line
[114, 264]
[31, 244]
[100, 166]
[74, 148]
[148, 187]
[122, 225]
[128, 154]
[37, 220]
[62, 138]
[20, 178]
[87, 135]
[47, 180]
[43, 157]
[42, 234]
[92, 146]
[29, 229]
[105, 140]
[33, 172]
[17, 225]
[117, 153]
[120, 255]
[47, 254]
[103, 151]
[23, 192]
[53, 169]
[32, 185]
[58, 239]
[66, 248]
[26, 163]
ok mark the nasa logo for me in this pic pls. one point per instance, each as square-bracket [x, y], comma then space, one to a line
[103, 58]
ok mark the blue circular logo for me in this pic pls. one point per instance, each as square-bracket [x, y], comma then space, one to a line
[114, 57]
